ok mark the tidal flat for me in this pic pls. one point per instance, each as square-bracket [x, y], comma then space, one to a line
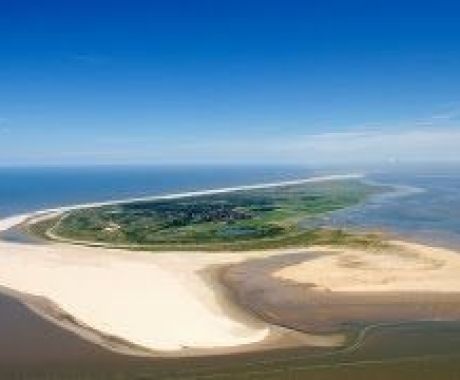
[391, 348]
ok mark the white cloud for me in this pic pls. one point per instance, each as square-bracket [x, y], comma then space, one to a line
[374, 145]
[406, 145]
[412, 145]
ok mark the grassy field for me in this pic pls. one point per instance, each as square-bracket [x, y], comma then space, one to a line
[240, 220]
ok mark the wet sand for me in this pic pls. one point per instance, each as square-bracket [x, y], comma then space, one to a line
[61, 313]
[263, 287]
[256, 298]
[272, 310]
[17, 234]
[43, 346]
[402, 267]
[147, 300]
[29, 341]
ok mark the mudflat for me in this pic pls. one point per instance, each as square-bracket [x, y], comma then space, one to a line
[326, 290]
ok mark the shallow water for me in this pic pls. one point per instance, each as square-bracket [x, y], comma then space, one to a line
[425, 206]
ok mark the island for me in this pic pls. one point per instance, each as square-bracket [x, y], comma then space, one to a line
[240, 220]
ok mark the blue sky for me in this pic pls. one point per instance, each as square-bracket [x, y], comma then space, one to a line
[155, 82]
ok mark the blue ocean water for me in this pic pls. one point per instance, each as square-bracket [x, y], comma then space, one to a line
[31, 189]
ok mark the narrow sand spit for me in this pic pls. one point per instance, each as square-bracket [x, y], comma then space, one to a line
[405, 267]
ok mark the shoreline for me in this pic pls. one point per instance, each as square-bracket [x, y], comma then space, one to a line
[279, 337]
[15, 220]
[196, 283]
[226, 305]
[51, 312]
[47, 303]
[264, 335]
[309, 291]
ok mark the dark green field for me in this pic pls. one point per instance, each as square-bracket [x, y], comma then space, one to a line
[268, 218]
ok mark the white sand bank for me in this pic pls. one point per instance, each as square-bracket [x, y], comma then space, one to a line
[156, 301]
[407, 267]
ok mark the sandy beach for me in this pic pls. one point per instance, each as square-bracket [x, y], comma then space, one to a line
[158, 302]
[333, 289]
[162, 302]
[166, 303]
[141, 303]
[405, 267]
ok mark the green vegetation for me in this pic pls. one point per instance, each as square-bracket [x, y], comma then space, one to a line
[40, 229]
[240, 220]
